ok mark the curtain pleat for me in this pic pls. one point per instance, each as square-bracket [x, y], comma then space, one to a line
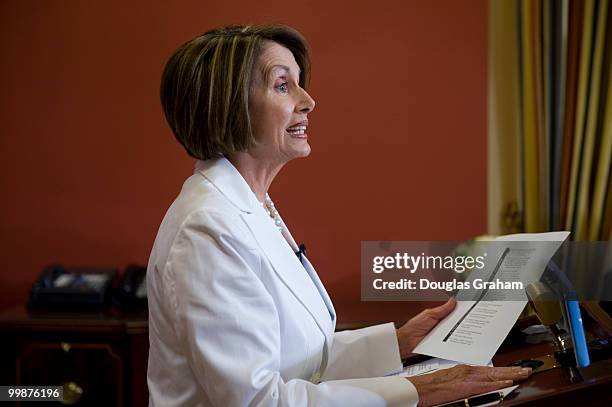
[562, 116]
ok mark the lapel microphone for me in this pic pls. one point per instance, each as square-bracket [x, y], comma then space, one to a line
[301, 252]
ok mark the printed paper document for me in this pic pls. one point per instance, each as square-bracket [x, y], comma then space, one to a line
[476, 328]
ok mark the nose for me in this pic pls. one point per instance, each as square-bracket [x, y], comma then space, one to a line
[306, 103]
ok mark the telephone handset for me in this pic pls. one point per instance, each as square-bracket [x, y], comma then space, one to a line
[62, 287]
[131, 292]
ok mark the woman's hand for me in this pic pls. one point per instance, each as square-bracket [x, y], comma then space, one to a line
[463, 381]
[413, 331]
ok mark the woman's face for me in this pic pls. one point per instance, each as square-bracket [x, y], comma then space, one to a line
[278, 106]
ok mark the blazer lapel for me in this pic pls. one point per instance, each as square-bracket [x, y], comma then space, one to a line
[317, 282]
[289, 269]
[226, 178]
[312, 273]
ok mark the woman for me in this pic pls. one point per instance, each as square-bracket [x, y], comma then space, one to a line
[236, 318]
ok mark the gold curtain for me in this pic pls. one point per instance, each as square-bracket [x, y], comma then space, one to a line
[550, 117]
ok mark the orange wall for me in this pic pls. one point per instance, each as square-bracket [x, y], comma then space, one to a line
[89, 166]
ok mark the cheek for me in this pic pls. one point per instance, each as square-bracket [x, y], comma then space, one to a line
[281, 115]
[269, 116]
[262, 122]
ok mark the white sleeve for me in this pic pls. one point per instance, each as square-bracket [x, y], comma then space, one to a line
[367, 352]
[228, 325]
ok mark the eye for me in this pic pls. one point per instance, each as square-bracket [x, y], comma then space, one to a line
[283, 87]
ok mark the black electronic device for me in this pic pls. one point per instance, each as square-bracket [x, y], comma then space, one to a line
[72, 288]
[131, 292]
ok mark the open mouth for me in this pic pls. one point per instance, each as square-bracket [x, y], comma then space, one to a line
[297, 130]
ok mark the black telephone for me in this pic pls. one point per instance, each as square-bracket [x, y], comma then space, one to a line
[61, 287]
[89, 288]
[131, 293]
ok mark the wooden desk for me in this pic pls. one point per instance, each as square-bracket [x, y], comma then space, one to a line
[103, 353]
[106, 354]
[593, 386]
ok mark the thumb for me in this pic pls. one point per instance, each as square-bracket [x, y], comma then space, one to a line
[443, 310]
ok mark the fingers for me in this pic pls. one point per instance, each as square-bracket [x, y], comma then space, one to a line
[443, 310]
[463, 381]
[493, 374]
[485, 373]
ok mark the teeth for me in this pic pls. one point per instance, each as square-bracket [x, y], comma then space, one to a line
[297, 130]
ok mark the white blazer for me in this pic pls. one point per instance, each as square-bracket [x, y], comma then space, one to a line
[236, 319]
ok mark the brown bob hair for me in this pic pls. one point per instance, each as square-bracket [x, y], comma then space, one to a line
[205, 86]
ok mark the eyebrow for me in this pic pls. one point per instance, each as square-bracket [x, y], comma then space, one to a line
[269, 70]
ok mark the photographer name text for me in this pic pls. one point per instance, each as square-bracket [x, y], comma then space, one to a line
[453, 285]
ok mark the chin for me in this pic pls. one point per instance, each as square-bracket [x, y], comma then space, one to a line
[303, 152]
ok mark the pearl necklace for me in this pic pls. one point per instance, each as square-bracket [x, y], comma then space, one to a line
[270, 209]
